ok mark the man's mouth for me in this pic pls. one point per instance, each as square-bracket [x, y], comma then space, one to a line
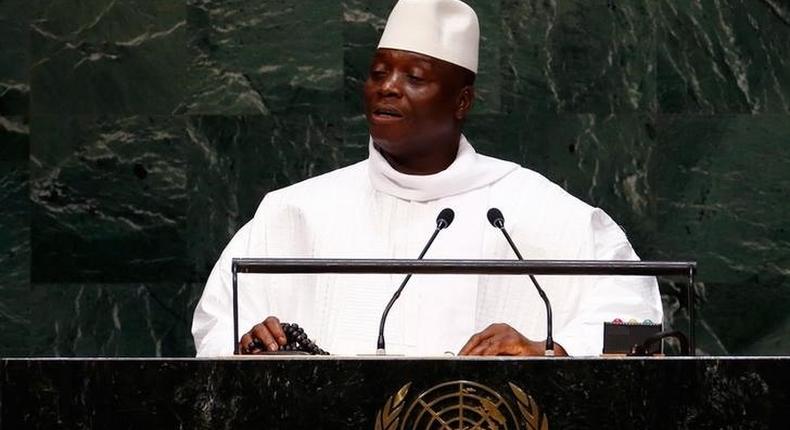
[387, 113]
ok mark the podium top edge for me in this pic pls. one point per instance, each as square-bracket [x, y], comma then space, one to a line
[772, 358]
[463, 267]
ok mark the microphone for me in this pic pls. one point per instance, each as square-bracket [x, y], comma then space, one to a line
[443, 221]
[496, 219]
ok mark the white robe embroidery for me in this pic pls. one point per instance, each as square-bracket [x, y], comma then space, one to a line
[369, 210]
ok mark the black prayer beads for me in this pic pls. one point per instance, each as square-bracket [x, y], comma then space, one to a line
[296, 340]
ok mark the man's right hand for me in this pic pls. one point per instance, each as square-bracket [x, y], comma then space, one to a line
[267, 336]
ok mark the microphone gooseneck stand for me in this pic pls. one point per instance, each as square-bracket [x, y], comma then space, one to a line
[496, 219]
[443, 221]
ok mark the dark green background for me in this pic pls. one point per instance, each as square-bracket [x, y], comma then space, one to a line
[136, 137]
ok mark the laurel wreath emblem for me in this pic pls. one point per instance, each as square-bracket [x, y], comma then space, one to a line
[529, 409]
[389, 417]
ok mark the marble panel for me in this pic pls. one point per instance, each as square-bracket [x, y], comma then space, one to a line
[14, 141]
[14, 57]
[264, 56]
[724, 56]
[112, 320]
[721, 189]
[577, 56]
[109, 199]
[488, 84]
[14, 236]
[774, 342]
[108, 56]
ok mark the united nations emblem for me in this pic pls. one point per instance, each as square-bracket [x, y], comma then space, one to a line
[460, 405]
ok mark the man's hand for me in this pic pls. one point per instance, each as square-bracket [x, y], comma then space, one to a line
[263, 337]
[502, 339]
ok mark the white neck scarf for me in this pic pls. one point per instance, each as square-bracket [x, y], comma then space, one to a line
[468, 171]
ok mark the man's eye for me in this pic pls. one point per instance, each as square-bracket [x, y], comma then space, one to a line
[415, 78]
[377, 74]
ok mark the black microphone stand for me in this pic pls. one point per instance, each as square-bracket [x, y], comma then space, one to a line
[443, 221]
[498, 221]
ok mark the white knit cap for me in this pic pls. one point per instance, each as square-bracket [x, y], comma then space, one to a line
[443, 29]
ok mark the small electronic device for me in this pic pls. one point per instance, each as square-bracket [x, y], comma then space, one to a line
[621, 337]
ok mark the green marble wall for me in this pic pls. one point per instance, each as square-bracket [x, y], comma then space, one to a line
[137, 136]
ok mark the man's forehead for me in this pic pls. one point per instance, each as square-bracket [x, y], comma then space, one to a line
[407, 56]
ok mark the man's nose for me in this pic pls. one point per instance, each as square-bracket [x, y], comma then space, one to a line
[390, 86]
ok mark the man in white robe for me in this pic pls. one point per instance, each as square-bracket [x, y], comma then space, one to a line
[417, 96]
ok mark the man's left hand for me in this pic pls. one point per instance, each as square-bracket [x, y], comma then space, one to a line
[502, 339]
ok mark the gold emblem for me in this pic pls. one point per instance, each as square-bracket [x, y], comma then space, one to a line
[461, 405]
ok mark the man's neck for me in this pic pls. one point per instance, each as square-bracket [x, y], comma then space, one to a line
[423, 164]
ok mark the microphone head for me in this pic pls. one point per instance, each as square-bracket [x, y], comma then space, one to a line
[496, 218]
[445, 218]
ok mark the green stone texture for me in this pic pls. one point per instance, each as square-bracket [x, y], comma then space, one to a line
[109, 199]
[15, 318]
[113, 320]
[248, 58]
[14, 57]
[723, 56]
[137, 136]
[107, 57]
[578, 56]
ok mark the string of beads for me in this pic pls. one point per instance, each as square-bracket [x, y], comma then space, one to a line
[297, 340]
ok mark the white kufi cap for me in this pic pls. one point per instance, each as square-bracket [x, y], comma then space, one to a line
[443, 29]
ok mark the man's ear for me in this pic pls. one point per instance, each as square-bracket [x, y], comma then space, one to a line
[464, 103]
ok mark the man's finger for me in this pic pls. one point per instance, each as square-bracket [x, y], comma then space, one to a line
[471, 343]
[479, 349]
[508, 345]
[245, 344]
[262, 334]
[486, 345]
[483, 347]
[276, 330]
[477, 338]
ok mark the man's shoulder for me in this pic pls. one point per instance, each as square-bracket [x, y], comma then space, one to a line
[519, 176]
[314, 199]
[344, 178]
[530, 186]
[533, 200]
[545, 210]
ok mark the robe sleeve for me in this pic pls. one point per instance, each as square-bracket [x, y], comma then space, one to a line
[606, 297]
[212, 323]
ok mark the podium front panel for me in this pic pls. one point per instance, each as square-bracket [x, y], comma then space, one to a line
[395, 393]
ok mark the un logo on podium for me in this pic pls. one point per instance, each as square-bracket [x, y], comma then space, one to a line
[460, 405]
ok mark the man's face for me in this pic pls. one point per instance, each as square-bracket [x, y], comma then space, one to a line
[411, 101]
